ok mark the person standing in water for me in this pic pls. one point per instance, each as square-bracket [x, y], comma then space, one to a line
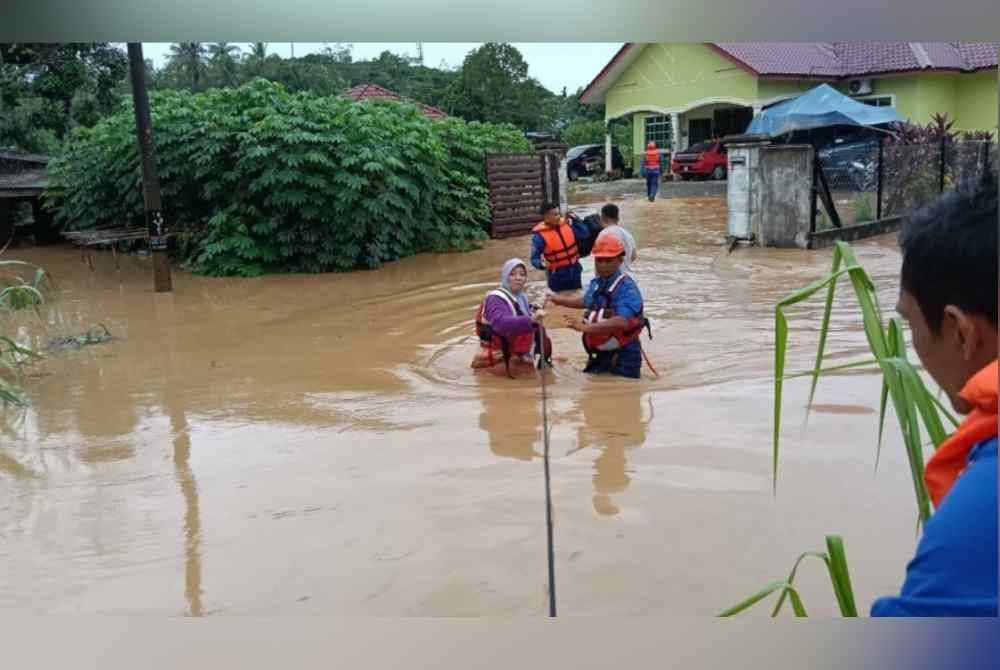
[611, 226]
[651, 168]
[597, 223]
[613, 318]
[508, 325]
[554, 249]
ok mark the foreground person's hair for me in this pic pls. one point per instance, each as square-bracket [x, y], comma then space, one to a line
[950, 252]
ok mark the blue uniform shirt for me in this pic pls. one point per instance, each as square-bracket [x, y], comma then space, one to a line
[627, 301]
[954, 572]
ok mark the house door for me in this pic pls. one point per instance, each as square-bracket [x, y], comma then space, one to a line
[732, 121]
[699, 130]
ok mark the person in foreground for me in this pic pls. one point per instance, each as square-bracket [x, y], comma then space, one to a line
[508, 325]
[613, 317]
[948, 296]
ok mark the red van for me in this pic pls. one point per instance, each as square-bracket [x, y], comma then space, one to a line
[703, 160]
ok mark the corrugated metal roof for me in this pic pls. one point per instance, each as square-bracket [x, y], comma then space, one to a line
[855, 59]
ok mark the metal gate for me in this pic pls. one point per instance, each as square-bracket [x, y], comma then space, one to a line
[518, 185]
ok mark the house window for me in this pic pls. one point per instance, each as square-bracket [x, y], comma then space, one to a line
[658, 129]
[878, 101]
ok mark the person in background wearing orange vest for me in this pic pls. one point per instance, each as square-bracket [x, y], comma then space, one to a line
[613, 318]
[948, 296]
[651, 169]
[554, 240]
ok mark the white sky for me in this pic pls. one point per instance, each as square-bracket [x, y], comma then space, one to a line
[572, 65]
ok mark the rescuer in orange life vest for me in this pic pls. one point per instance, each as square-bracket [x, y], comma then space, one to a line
[651, 170]
[613, 317]
[508, 325]
[555, 240]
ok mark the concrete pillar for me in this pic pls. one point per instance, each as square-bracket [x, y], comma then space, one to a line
[608, 158]
[675, 132]
[743, 190]
[757, 110]
[563, 183]
[785, 195]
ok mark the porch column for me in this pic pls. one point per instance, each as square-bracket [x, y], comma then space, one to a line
[608, 158]
[675, 132]
[756, 110]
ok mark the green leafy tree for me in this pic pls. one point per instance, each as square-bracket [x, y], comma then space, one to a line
[584, 132]
[260, 180]
[47, 89]
[494, 86]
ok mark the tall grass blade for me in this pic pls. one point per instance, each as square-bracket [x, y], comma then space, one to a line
[780, 343]
[922, 399]
[755, 598]
[797, 606]
[894, 343]
[840, 576]
[835, 368]
[780, 350]
[825, 326]
[791, 577]
[952, 419]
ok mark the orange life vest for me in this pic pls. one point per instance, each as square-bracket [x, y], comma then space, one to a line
[952, 455]
[652, 159]
[602, 310]
[490, 342]
[560, 245]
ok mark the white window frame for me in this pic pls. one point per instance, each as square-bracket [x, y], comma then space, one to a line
[664, 123]
[890, 96]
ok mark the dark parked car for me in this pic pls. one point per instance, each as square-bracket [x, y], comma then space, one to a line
[849, 163]
[588, 159]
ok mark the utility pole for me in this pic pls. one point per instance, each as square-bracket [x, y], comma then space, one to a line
[155, 227]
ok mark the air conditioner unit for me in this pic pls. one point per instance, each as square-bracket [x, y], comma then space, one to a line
[859, 86]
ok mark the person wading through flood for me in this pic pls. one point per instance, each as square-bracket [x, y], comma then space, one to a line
[610, 226]
[554, 248]
[651, 169]
[948, 296]
[507, 324]
[607, 219]
[613, 317]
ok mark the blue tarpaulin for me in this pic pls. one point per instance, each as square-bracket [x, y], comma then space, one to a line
[822, 107]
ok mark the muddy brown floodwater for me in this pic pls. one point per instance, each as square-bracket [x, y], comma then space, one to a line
[318, 444]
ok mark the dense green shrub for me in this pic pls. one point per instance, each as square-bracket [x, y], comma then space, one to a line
[260, 180]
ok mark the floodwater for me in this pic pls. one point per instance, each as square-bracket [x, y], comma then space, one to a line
[318, 444]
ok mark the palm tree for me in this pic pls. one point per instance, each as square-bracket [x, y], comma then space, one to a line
[223, 50]
[224, 57]
[190, 57]
[258, 50]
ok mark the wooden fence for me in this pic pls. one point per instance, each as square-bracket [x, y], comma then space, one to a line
[519, 184]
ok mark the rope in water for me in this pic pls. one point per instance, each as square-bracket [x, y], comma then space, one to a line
[548, 488]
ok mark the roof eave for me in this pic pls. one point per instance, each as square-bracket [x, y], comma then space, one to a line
[594, 93]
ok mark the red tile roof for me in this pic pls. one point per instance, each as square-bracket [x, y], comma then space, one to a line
[374, 91]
